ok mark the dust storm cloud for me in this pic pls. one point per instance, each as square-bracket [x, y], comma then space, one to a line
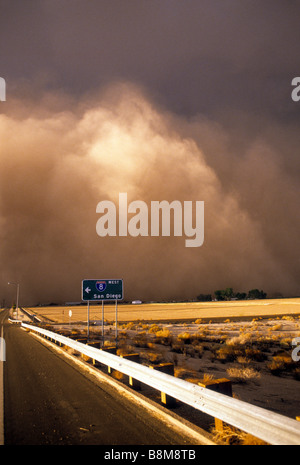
[60, 156]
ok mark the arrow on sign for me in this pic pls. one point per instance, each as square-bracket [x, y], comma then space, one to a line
[87, 290]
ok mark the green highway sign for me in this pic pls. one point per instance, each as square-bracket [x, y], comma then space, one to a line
[102, 289]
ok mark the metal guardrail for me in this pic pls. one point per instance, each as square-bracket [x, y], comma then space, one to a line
[271, 427]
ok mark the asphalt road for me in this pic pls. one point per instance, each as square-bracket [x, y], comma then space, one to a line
[48, 401]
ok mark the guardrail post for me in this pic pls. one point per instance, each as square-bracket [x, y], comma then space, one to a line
[110, 350]
[134, 383]
[82, 339]
[97, 345]
[167, 368]
[223, 386]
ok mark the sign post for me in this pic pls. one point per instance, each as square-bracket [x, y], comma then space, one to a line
[116, 320]
[103, 319]
[88, 320]
[94, 290]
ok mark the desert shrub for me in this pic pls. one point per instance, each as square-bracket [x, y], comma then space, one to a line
[152, 357]
[286, 342]
[201, 334]
[242, 339]
[254, 354]
[163, 336]
[189, 351]
[140, 340]
[233, 436]
[207, 377]
[122, 334]
[226, 354]
[277, 327]
[242, 374]
[125, 349]
[154, 328]
[185, 337]
[177, 347]
[199, 349]
[288, 318]
[243, 360]
[185, 373]
[282, 363]
[164, 333]
[109, 344]
[129, 325]
[276, 367]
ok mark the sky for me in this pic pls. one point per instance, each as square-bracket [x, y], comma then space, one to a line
[162, 100]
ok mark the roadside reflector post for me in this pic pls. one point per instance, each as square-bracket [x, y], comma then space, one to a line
[167, 368]
[223, 386]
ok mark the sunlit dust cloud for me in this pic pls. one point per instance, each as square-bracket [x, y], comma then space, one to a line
[58, 159]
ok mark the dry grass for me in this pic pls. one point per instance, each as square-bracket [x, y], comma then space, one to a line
[233, 436]
[152, 357]
[243, 374]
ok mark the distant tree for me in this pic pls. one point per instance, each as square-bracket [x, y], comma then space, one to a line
[241, 295]
[228, 293]
[220, 295]
[224, 294]
[256, 294]
[204, 297]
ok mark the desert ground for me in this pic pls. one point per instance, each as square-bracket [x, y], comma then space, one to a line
[249, 343]
[174, 311]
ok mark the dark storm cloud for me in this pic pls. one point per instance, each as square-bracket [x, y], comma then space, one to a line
[202, 111]
[197, 55]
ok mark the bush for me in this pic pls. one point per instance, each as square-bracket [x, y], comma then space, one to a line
[282, 364]
[243, 374]
[152, 357]
[154, 328]
[185, 337]
[226, 354]
[163, 333]
[177, 347]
